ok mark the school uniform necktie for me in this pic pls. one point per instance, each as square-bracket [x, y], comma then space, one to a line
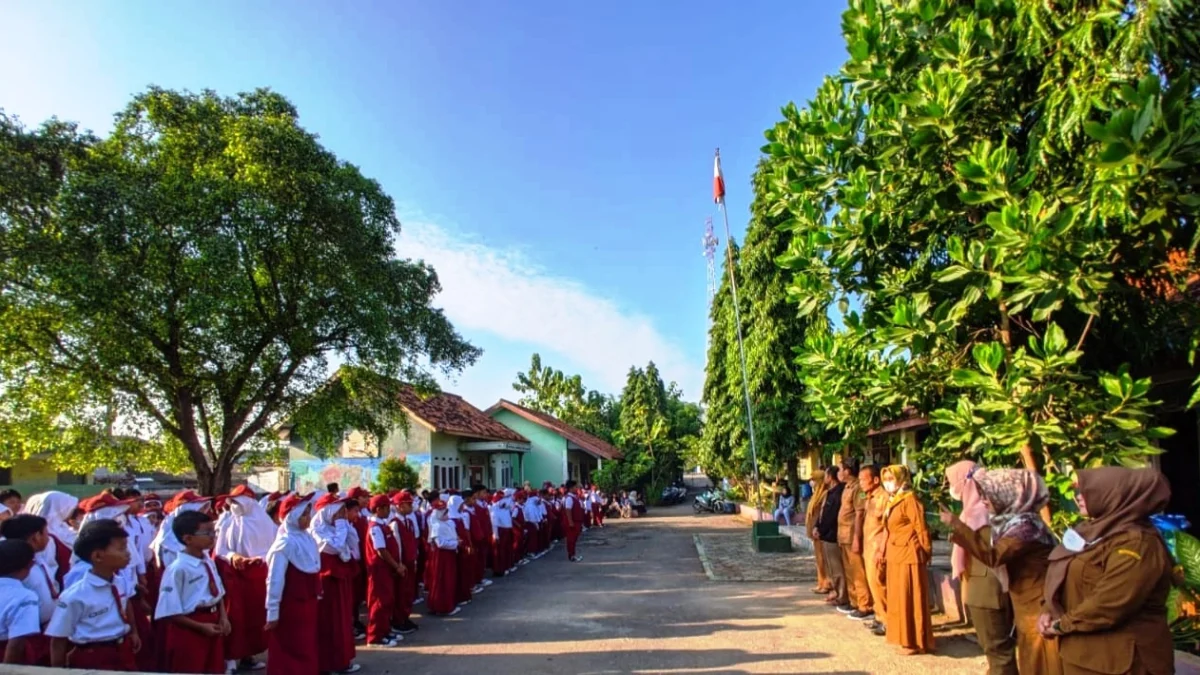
[117, 599]
[50, 583]
[212, 581]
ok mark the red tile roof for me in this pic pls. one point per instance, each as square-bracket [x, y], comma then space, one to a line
[590, 444]
[449, 414]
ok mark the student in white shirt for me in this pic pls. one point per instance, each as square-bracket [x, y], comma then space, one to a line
[190, 601]
[18, 605]
[32, 530]
[90, 627]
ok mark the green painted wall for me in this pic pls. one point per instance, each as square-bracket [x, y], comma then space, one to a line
[546, 459]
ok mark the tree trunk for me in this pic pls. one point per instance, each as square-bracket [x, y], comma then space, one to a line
[1030, 463]
[793, 477]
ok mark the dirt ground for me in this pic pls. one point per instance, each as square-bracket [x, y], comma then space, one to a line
[639, 602]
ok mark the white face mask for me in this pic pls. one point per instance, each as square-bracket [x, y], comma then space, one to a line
[1073, 541]
[890, 486]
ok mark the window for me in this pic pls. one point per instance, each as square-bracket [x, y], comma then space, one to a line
[5, 476]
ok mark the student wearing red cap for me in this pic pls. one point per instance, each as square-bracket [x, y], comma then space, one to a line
[443, 563]
[191, 607]
[243, 539]
[359, 520]
[335, 622]
[383, 572]
[407, 531]
[293, 588]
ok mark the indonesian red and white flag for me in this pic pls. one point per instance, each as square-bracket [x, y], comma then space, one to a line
[718, 180]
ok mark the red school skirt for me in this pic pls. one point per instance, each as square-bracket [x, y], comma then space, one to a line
[187, 651]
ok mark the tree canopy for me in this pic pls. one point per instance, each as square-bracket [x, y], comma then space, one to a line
[553, 392]
[772, 328]
[1007, 192]
[192, 276]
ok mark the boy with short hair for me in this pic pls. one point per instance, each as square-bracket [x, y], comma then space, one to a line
[11, 500]
[32, 530]
[90, 627]
[408, 536]
[190, 601]
[18, 605]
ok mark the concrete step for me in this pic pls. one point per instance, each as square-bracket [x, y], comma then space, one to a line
[778, 543]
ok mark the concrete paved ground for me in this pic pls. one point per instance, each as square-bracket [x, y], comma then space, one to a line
[640, 603]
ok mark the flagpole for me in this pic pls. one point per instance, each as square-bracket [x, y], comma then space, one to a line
[737, 317]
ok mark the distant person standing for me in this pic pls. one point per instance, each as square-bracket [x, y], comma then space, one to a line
[827, 531]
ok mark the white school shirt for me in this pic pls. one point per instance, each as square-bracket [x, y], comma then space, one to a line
[124, 579]
[87, 612]
[43, 585]
[185, 586]
[378, 540]
[18, 610]
[532, 513]
[141, 533]
[501, 516]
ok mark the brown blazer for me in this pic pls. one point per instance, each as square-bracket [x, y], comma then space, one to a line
[983, 588]
[1114, 604]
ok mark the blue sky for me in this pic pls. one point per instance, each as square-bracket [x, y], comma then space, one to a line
[553, 161]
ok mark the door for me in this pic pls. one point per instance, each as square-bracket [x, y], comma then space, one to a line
[476, 475]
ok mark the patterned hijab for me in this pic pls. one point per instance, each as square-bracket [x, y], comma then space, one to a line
[818, 496]
[903, 478]
[1015, 496]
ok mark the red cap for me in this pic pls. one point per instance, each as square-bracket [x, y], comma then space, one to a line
[242, 491]
[402, 497]
[184, 497]
[219, 502]
[327, 499]
[497, 497]
[102, 501]
[274, 496]
[290, 502]
[378, 501]
[438, 504]
[357, 493]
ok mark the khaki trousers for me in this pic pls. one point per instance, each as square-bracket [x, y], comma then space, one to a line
[856, 579]
[875, 581]
[835, 571]
[993, 627]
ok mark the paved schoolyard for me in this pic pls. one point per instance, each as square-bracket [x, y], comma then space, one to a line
[640, 603]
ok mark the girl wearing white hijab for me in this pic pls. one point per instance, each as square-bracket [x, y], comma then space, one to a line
[293, 586]
[56, 507]
[244, 535]
[443, 564]
[466, 556]
[335, 612]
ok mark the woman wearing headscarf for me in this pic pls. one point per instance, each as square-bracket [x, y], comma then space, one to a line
[443, 562]
[987, 603]
[1107, 584]
[335, 621]
[1017, 545]
[55, 507]
[293, 587]
[166, 545]
[245, 536]
[906, 556]
[815, 504]
[466, 554]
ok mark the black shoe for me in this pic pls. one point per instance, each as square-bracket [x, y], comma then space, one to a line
[880, 630]
[859, 615]
[408, 627]
[845, 609]
[871, 625]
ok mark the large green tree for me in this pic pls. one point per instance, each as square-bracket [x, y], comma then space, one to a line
[772, 329]
[191, 276]
[656, 427]
[1008, 189]
[553, 392]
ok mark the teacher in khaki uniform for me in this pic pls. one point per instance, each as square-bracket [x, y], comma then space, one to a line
[1107, 584]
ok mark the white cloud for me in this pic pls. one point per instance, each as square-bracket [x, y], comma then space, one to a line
[505, 294]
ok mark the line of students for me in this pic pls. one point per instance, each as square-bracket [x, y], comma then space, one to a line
[223, 580]
[1092, 602]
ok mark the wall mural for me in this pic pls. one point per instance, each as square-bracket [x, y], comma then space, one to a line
[312, 475]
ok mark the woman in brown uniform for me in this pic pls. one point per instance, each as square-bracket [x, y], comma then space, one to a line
[1107, 584]
[1017, 549]
[815, 504]
[906, 556]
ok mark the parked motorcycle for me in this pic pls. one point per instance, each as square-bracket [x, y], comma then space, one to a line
[712, 501]
[673, 495]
